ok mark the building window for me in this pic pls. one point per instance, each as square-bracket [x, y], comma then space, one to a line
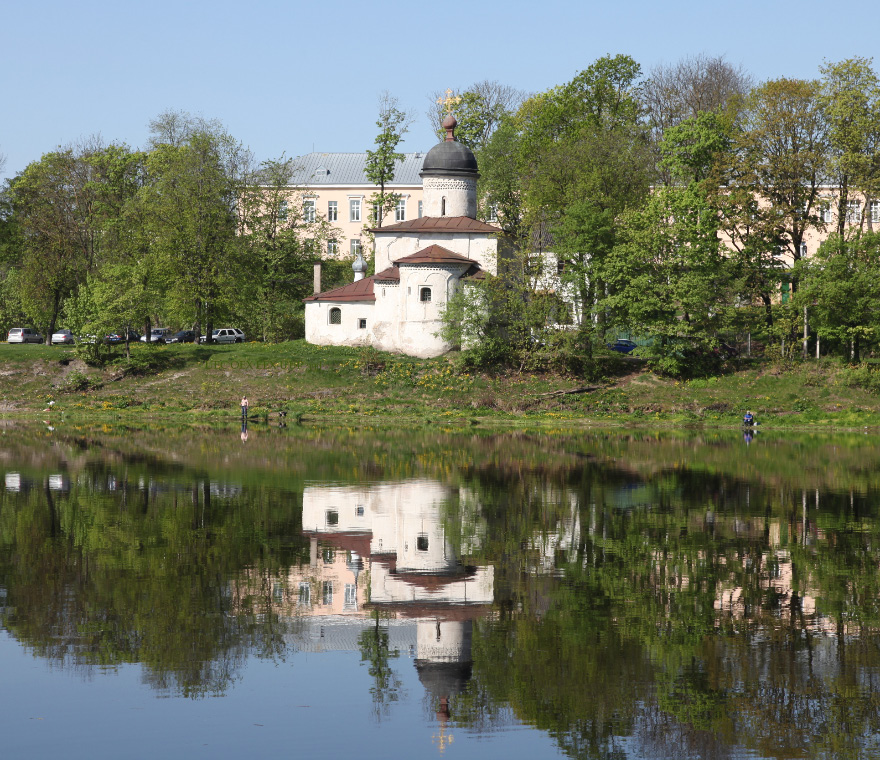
[332, 211]
[335, 319]
[422, 543]
[853, 212]
[350, 596]
[875, 212]
[362, 325]
[305, 594]
[308, 211]
[332, 514]
[825, 213]
[355, 247]
[803, 250]
[443, 207]
[327, 593]
[359, 511]
[282, 211]
[425, 295]
[375, 214]
[277, 593]
[332, 247]
[492, 213]
[420, 209]
[400, 210]
[354, 209]
[560, 266]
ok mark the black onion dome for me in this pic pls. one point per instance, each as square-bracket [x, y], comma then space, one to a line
[450, 158]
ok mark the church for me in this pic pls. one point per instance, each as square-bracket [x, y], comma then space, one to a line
[420, 264]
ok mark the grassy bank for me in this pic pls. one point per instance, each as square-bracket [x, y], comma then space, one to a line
[310, 382]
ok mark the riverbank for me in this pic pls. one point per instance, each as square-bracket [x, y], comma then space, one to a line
[300, 382]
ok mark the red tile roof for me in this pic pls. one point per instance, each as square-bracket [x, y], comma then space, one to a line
[435, 254]
[440, 224]
[392, 273]
[362, 290]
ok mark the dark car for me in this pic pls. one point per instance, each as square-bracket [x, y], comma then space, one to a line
[119, 337]
[184, 336]
[623, 346]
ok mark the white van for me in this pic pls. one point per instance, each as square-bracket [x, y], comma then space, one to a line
[24, 335]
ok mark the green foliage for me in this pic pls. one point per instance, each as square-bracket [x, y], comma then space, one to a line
[668, 278]
[841, 288]
[862, 376]
[393, 124]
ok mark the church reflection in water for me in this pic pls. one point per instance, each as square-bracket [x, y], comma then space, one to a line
[383, 552]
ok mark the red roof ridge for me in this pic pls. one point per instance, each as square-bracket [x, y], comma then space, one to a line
[435, 254]
[362, 290]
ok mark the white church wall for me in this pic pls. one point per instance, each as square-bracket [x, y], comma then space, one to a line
[321, 332]
[450, 196]
[421, 320]
[385, 329]
[391, 247]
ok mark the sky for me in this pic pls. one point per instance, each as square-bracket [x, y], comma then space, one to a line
[292, 77]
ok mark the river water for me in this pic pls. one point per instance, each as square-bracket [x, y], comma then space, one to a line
[209, 592]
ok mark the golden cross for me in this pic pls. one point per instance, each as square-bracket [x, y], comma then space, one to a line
[449, 101]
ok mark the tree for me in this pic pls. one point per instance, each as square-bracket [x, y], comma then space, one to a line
[190, 204]
[480, 110]
[841, 285]
[850, 102]
[585, 160]
[281, 241]
[683, 90]
[53, 204]
[780, 157]
[699, 151]
[668, 278]
[393, 124]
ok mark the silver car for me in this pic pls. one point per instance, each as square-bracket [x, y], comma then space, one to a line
[24, 335]
[225, 335]
[62, 337]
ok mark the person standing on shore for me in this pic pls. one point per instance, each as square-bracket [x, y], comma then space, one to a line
[244, 407]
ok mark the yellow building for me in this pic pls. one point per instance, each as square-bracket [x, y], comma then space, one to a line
[334, 186]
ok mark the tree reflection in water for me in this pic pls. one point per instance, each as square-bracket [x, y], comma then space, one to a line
[661, 594]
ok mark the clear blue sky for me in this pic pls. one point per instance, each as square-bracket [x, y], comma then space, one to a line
[287, 77]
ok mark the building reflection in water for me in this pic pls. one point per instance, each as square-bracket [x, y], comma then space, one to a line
[381, 552]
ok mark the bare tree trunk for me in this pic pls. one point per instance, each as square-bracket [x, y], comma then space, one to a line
[806, 333]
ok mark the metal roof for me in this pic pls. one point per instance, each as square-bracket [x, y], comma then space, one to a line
[362, 290]
[440, 224]
[350, 169]
[435, 254]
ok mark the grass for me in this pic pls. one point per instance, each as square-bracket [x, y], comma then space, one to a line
[312, 382]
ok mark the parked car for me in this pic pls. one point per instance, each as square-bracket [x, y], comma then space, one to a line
[119, 337]
[225, 335]
[62, 337]
[184, 336]
[24, 335]
[623, 346]
[157, 335]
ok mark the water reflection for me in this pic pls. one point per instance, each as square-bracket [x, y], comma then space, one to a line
[377, 554]
[628, 595]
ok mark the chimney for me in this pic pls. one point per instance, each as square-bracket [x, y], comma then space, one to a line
[317, 283]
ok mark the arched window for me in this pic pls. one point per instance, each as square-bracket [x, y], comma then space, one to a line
[335, 316]
[443, 206]
[425, 295]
